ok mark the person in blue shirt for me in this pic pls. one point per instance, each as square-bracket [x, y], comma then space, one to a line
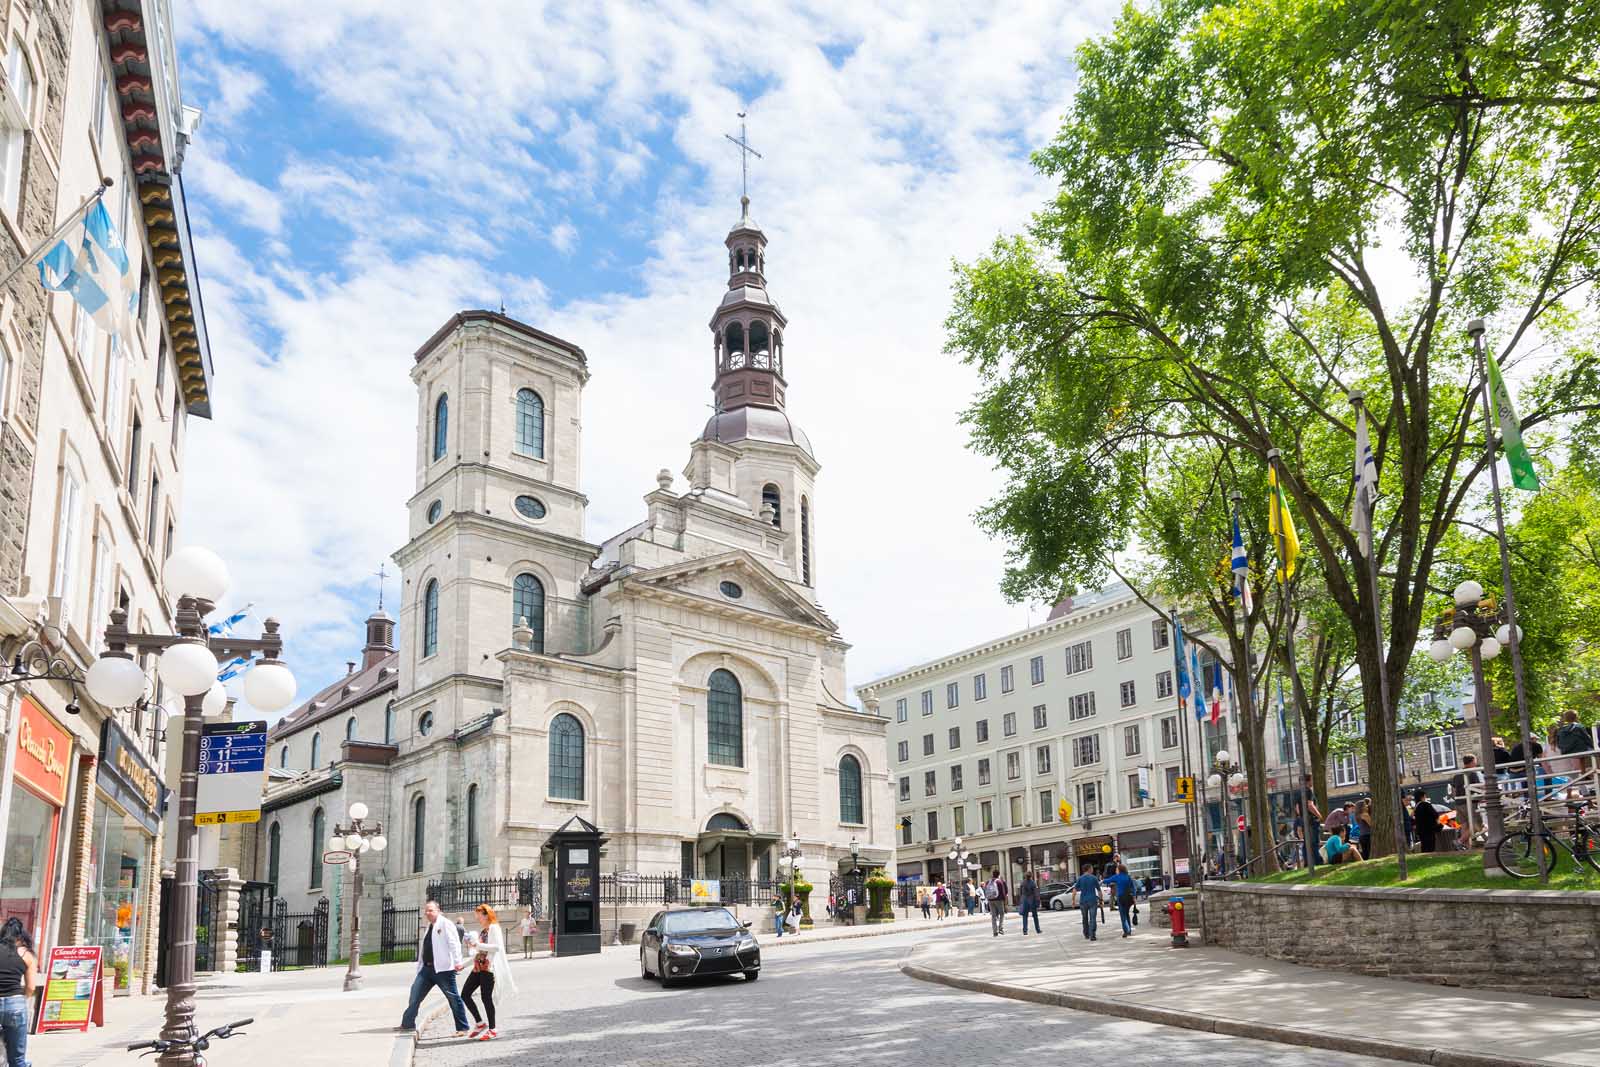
[1088, 890]
[1122, 891]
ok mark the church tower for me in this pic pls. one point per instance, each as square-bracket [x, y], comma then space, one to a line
[751, 447]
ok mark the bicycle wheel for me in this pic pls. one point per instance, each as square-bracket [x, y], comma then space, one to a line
[1588, 849]
[1518, 855]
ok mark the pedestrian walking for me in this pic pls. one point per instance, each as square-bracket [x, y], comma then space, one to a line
[19, 973]
[438, 957]
[779, 911]
[1426, 816]
[1366, 824]
[489, 969]
[994, 894]
[1310, 822]
[832, 903]
[925, 899]
[1028, 903]
[969, 896]
[1122, 891]
[1088, 889]
[529, 929]
[941, 898]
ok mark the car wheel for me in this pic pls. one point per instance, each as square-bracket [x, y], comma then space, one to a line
[661, 971]
[644, 968]
[1057, 905]
[751, 976]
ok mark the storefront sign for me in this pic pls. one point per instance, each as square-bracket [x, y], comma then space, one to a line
[129, 777]
[42, 750]
[233, 772]
[1093, 846]
[72, 988]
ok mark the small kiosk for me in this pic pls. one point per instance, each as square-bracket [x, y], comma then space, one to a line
[576, 913]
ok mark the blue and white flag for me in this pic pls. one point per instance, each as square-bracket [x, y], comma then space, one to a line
[230, 668]
[1241, 568]
[1199, 683]
[90, 263]
[1183, 668]
[1366, 484]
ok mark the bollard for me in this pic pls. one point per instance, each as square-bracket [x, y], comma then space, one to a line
[1180, 933]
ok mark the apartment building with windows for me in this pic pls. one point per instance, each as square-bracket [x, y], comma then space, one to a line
[986, 742]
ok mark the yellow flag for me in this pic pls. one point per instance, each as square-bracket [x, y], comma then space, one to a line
[1064, 809]
[1278, 516]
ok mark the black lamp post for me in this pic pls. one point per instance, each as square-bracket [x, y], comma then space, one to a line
[1226, 775]
[356, 838]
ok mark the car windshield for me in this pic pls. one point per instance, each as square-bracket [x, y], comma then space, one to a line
[702, 921]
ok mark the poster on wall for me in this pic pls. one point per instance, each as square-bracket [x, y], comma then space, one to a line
[71, 989]
[705, 891]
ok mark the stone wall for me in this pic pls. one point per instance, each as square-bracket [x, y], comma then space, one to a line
[1544, 942]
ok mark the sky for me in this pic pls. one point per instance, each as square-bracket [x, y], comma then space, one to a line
[366, 169]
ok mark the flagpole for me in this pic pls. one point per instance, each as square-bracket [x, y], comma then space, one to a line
[1265, 841]
[1274, 460]
[1475, 328]
[1370, 569]
[1183, 736]
[55, 234]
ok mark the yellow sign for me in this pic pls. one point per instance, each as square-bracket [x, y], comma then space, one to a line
[1186, 790]
[1064, 810]
[217, 818]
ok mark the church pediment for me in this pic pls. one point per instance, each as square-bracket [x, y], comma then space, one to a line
[735, 582]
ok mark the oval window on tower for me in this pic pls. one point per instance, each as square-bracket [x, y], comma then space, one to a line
[425, 723]
[435, 510]
[731, 590]
[530, 507]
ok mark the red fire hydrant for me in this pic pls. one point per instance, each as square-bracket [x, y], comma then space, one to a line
[1180, 933]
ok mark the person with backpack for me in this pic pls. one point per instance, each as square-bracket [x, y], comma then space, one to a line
[1028, 903]
[1088, 889]
[995, 892]
[1122, 891]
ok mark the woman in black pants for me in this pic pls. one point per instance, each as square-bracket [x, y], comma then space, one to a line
[490, 968]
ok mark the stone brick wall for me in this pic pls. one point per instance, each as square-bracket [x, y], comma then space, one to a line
[1544, 942]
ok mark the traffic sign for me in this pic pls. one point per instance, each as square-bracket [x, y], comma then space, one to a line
[1185, 789]
[233, 765]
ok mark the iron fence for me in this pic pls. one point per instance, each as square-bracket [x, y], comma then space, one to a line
[255, 924]
[208, 923]
[459, 894]
[401, 933]
[299, 939]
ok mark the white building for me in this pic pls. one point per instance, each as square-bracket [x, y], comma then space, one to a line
[986, 742]
[677, 684]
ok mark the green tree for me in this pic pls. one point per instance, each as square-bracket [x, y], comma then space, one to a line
[1235, 182]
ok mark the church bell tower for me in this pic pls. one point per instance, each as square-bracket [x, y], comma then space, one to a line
[747, 328]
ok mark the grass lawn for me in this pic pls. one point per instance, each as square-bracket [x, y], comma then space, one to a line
[1448, 870]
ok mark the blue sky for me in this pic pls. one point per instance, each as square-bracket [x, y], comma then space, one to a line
[366, 169]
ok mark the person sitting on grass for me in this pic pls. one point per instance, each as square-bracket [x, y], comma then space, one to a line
[1337, 850]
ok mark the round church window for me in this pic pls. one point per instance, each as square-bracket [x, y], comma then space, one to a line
[731, 590]
[435, 509]
[425, 723]
[531, 507]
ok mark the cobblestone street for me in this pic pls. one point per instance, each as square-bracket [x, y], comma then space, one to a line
[831, 1003]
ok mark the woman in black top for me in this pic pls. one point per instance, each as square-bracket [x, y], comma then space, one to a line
[1427, 818]
[17, 974]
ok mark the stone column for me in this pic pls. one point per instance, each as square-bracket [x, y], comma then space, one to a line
[77, 895]
[151, 934]
[227, 946]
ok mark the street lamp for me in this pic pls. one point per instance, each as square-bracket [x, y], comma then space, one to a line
[188, 664]
[1476, 626]
[1224, 769]
[963, 861]
[356, 838]
[790, 856]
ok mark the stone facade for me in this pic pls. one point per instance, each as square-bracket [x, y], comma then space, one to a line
[1544, 942]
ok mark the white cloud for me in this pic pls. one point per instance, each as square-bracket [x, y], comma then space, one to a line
[876, 176]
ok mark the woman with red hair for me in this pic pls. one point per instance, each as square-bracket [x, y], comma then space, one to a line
[490, 968]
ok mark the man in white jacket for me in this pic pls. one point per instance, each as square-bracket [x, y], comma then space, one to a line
[438, 957]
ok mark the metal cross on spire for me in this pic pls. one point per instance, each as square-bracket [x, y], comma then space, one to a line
[745, 152]
[381, 574]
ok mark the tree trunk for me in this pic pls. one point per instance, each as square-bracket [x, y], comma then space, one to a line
[1252, 740]
[1385, 791]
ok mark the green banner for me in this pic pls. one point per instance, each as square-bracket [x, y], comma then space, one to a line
[1523, 476]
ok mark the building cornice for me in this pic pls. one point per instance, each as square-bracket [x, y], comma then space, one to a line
[719, 609]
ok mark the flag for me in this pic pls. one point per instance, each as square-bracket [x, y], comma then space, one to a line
[1216, 693]
[230, 668]
[1283, 715]
[1182, 668]
[1199, 683]
[90, 264]
[1523, 475]
[1366, 490]
[1282, 526]
[1241, 568]
[1064, 810]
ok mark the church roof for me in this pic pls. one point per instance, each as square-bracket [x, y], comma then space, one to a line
[461, 318]
[751, 423]
[348, 691]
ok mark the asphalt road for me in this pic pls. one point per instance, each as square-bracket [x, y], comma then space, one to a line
[841, 1002]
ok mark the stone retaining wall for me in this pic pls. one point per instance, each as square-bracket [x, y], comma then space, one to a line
[1545, 942]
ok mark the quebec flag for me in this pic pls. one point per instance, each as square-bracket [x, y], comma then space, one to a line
[91, 264]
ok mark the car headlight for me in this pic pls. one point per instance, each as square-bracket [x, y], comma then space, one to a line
[747, 942]
[680, 950]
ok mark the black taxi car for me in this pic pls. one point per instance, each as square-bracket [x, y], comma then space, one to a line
[688, 942]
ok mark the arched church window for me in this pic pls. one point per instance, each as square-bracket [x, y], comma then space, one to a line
[441, 425]
[388, 723]
[316, 750]
[566, 758]
[527, 603]
[770, 494]
[733, 341]
[419, 838]
[283, 756]
[472, 825]
[430, 618]
[760, 345]
[777, 351]
[723, 820]
[725, 720]
[350, 728]
[850, 790]
[530, 423]
[275, 854]
[805, 541]
[319, 841]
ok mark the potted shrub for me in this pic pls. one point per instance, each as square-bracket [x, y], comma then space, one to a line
[879, 909]
[800, 890]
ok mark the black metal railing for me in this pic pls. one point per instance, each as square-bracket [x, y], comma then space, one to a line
[458, 894]
[255, 924]
[299, 939]
[208, 923]
[401, 933]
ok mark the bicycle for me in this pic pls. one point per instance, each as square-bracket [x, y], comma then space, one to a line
[1516, 855]
[196, 1045]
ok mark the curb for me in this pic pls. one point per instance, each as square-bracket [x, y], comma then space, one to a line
[1210, 1024]
[877, 930]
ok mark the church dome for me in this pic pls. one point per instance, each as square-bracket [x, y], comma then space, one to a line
[752, 423]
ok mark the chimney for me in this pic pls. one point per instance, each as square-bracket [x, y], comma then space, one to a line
[349, 667]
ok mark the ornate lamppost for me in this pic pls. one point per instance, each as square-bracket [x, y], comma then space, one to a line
[790, 855]
[1477, 627]
[356, 838]
[1224, 769]
[964, 861]
[187, 662]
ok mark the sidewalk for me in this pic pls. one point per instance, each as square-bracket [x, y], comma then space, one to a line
[826, 930]
[1223, 992]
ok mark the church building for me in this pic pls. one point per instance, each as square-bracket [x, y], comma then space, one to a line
[676, 684]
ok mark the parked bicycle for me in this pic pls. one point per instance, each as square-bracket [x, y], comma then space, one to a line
[194, 1044]
[1519, 853]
